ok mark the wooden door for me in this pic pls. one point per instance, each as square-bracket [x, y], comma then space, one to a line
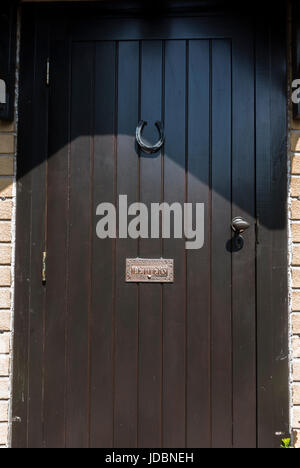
[112, 364]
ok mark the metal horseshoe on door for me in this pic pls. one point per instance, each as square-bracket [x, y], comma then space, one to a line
[147, 148]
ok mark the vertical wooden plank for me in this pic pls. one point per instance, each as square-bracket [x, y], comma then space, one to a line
[77, 434]
[174, 299]
[271, 170]
[243, 261]
[221, 380]
[126, 331]
[198, 261]
[57, 249]
[38, 245]
[265, 426]
[23, 240]
[150, 295]
[279, 188]
[103, 272]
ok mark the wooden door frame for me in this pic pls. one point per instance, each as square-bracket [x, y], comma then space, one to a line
[271, 201]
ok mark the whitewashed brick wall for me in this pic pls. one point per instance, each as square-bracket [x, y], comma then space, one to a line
[7, 180]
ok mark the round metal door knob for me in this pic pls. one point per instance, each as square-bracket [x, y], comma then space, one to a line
[239, 225]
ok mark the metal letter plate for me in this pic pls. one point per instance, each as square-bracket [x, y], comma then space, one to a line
[142, 270]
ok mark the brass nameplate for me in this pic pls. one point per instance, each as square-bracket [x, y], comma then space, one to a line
[141, 270]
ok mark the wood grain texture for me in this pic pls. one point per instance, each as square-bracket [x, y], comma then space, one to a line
[175, 365]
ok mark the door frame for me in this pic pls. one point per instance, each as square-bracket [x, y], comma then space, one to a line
[271, 198]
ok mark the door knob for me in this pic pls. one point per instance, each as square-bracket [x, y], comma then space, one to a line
[239, 225]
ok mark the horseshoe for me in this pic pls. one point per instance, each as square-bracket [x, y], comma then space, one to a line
[147, 148]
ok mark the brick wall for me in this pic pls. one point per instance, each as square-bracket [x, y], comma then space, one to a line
[7, 150]
[295, 273]
[294, 227]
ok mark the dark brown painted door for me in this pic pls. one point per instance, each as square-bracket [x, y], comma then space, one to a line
[113, 364]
